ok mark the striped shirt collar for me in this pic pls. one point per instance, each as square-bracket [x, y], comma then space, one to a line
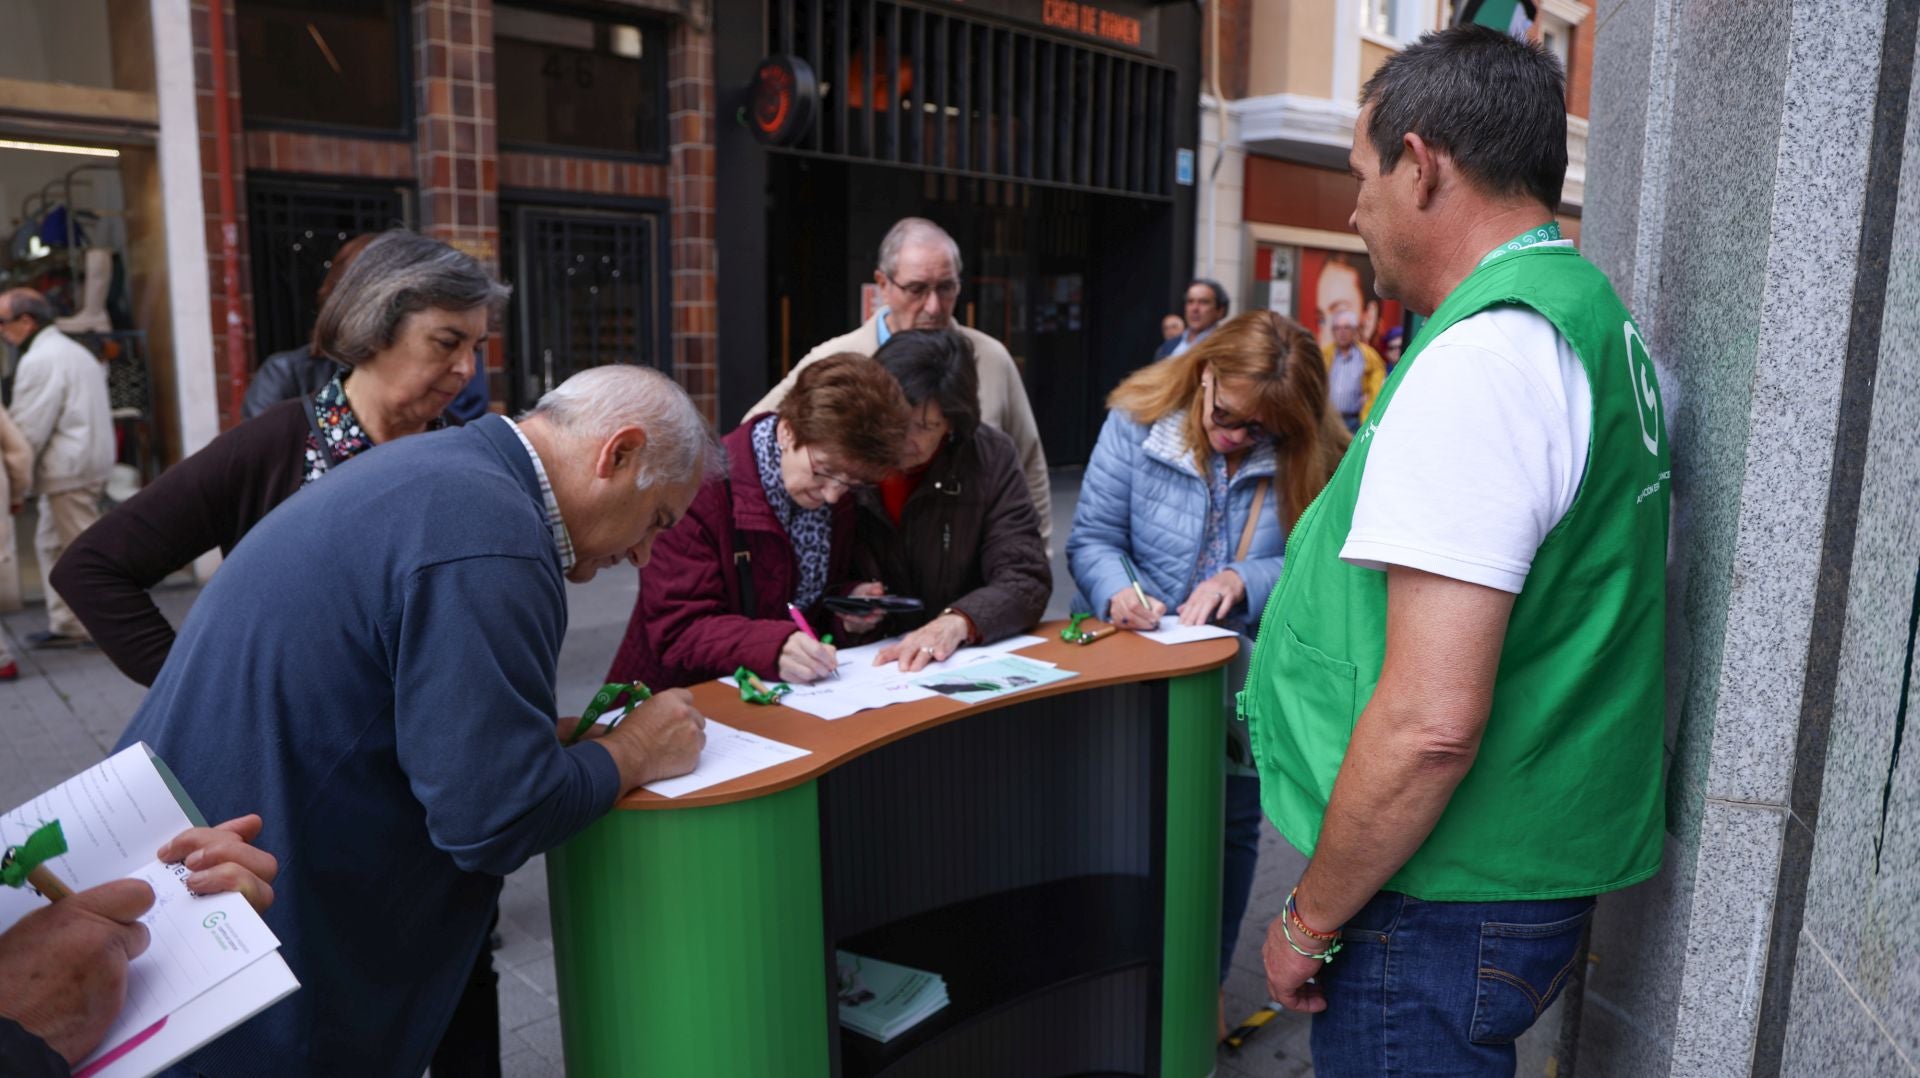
[562, 541]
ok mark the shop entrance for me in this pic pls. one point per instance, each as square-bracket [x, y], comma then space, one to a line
[1070, 281]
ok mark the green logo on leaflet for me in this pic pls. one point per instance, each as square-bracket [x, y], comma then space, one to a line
[213, 919]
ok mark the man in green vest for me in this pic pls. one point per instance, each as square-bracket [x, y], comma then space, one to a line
[1456, 699]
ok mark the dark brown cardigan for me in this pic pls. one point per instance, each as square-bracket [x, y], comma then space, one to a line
[211, 499]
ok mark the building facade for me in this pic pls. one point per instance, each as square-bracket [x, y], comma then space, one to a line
[599, 156]
[1277, 116]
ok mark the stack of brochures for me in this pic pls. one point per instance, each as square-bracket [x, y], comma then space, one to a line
[881, 1000]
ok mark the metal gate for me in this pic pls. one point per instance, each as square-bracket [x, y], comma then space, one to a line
[951, 93]
[293, 228]
[587, 291]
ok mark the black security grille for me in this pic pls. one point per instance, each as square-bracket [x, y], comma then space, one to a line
[940, 91]
[587, 291]
[293, 228]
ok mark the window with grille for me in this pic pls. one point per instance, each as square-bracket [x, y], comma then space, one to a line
[293, 228]
[587, 290]
[951, 93]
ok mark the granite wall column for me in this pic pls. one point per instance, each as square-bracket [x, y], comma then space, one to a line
[1738, 163]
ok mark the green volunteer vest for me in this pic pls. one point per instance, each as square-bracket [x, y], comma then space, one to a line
[1565, 796]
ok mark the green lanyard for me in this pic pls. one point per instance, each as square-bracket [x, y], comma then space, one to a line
[1547, 233]
[604, 699]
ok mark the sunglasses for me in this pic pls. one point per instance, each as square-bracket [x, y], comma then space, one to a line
[1224, 420]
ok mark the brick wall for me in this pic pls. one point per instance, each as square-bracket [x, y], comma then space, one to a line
[458, 169]
[690, 186]
[1236, 47]
[457, 149]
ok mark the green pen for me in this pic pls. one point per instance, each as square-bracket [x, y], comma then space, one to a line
[1134, 579]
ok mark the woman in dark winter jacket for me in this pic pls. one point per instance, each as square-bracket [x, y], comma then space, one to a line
[955, 527]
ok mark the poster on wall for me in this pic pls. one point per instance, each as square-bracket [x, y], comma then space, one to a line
[1330, 281]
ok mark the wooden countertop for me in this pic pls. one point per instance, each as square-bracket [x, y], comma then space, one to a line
[1117, 659]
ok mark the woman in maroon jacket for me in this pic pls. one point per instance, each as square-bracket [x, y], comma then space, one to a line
[775, 528]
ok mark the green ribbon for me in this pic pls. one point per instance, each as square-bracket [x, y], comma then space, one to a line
[1072, 634]
[1547, 233]
[745, 678]
[42, 846]
[604, 699]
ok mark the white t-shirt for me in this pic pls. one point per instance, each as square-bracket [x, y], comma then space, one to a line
[1480, 454]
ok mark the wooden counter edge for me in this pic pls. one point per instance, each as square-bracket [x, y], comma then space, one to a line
[830, 745]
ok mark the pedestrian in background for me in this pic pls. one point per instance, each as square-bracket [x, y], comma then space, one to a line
[1206, 304]
[61, 406]
[16, 471]
[1355, 371]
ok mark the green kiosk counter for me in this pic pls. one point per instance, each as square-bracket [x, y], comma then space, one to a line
[1054, 855]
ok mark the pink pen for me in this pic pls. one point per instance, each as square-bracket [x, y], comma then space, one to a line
[801, 620]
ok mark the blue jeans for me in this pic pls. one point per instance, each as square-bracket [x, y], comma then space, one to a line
[1442, 988]
[1242, 855]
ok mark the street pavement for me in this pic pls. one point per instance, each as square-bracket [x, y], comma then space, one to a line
[69, 707]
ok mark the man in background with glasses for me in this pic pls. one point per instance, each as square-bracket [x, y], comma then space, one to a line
[919, 282]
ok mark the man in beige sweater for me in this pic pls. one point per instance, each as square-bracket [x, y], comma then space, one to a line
[60, 404]
[919, 282]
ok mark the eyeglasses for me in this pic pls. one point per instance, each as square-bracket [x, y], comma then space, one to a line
[823, 475]
[918, 290]
[1224, 420]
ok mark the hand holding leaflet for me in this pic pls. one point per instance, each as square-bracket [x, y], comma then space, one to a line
[210, 962]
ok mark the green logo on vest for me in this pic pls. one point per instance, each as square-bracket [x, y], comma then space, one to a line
[1645, 398]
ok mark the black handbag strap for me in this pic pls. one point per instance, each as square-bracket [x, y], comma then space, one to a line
[742, 558]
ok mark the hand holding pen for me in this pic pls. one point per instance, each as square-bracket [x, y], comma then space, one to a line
[1131, 607]
[806, 657]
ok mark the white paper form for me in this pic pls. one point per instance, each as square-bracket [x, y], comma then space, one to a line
[863, 686]
[729, 754]
[114, 816]
[1172, 632]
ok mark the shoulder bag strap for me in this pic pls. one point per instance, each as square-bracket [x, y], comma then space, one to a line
[742, 559]
[1253, 519]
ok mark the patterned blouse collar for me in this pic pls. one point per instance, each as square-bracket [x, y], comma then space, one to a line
[334, 435]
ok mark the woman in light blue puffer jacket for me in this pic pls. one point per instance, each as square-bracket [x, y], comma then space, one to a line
[1205, 462]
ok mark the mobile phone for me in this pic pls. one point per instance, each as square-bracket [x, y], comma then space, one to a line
[861, 605]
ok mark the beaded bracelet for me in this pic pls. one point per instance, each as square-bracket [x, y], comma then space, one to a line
[1293, 915]
[1325, 956]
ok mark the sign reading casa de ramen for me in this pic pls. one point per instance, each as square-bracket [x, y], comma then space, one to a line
[1126, 24]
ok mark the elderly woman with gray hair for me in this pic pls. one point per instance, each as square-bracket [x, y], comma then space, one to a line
[404, 321]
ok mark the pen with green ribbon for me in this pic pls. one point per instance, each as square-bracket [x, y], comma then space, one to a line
[609, 693]
[27, 862]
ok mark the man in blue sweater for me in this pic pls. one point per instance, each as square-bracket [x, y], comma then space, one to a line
[373, 672]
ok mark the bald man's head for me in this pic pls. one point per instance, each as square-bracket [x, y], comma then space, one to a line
[22, 314]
